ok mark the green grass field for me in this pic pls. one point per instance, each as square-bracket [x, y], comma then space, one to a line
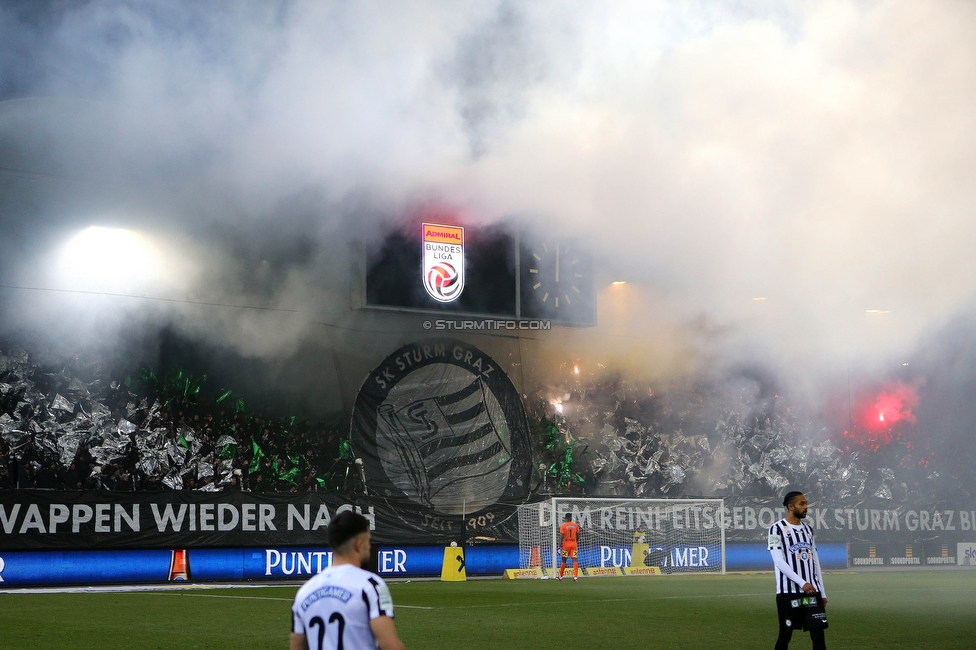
[917, 609]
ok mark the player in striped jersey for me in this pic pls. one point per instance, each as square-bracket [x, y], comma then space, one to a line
[797, 569]
[345, 607]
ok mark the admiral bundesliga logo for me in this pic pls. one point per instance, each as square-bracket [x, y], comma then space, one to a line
[443, 262]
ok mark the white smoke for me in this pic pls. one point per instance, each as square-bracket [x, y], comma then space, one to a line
[794, 180]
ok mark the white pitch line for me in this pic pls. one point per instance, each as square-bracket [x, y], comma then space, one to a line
[121, 589]
[165, 590]
[605, 600]
[181, 590]
[289, 600]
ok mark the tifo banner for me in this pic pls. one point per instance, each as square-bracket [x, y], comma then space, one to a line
[857, 520]
[42, 519]
[880, 532]
[37, 519]
[747, 519]
[439, 425]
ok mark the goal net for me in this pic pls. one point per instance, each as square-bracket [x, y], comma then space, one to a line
[676, 535]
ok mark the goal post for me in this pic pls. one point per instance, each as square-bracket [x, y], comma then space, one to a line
[676, 535]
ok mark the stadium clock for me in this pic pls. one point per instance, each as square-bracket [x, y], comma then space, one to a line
[556, 282]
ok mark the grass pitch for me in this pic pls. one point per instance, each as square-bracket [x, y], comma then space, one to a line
[917, 609]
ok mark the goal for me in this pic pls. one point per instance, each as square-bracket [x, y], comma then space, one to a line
[676, 535]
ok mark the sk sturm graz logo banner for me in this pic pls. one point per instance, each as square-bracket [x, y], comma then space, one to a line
[443, 266]
[439, 425]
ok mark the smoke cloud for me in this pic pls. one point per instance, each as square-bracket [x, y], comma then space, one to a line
[779, 185]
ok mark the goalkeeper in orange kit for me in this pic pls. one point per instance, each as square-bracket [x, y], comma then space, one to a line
[570, 532]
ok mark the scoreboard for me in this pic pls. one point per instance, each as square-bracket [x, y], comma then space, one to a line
[488, 272]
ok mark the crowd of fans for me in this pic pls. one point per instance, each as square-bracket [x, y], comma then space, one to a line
[58, 431]
[610, 437]
[607, 438]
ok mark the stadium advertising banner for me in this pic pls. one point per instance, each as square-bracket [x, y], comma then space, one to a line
[407, 561]
[397, 561]
[289, 563]
[966, 554]
[230, 564]
[131, 566]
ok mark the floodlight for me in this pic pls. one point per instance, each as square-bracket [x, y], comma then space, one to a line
[107, 259]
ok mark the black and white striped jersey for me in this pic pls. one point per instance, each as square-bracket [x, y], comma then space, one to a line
[334, 608]
[795, 558]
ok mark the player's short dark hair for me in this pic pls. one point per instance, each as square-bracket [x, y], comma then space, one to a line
[790, 498]
[568, 517]
[344, 526]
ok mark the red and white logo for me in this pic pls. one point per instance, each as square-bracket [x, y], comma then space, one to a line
[443, 267]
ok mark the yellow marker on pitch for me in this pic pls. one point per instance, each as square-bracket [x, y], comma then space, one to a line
[453, 568]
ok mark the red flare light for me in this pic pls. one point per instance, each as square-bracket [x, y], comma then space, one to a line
[881, 417]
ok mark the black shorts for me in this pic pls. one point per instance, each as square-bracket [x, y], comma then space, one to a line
[792, 614]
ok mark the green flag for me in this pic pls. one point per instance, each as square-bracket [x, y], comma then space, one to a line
[291, 476]
[256, 457]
